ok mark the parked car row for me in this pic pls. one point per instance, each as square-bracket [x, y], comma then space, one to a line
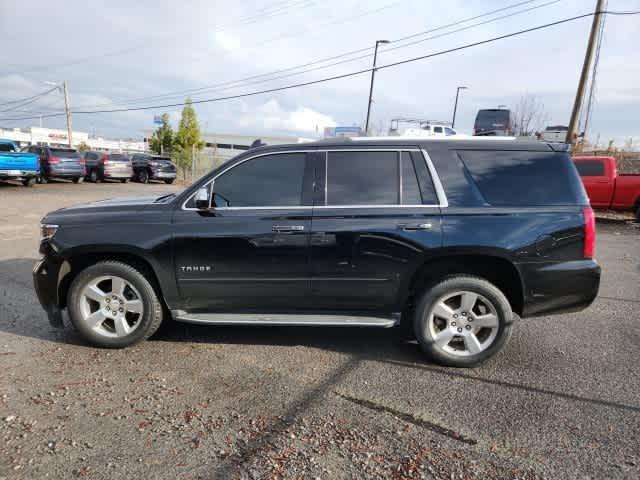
[44, 163]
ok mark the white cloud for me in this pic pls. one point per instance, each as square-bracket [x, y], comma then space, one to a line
[225, 40]
[272, 116]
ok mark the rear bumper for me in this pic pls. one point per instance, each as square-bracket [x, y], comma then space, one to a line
[162, 175]
[564, 287]
[119, 174]
[10, 173]
[45, 282]
[66, 173]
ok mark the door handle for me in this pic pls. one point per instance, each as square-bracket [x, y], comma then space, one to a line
[410, 227]
[287, 228]
[602, 181]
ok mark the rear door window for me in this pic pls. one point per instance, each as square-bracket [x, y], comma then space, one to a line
[590, 168]
[362, 178]
[517, 178]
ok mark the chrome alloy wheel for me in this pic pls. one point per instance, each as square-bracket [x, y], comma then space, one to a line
[463, 323]
[111, 306]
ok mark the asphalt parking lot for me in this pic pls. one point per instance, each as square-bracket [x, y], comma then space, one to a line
[561, 401]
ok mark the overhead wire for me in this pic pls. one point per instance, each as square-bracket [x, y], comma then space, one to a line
[341, 76]
[242, 81]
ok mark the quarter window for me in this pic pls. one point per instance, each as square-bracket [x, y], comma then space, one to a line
[266, 181]
[362, 178]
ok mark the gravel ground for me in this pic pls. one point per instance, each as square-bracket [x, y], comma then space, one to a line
[562, 400]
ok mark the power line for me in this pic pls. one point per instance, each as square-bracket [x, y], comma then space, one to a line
[242, 22]
[35, 98]
[345, 75]
[241, 81]
[37, 95]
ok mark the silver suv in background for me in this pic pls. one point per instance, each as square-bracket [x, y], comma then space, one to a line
[108, 166]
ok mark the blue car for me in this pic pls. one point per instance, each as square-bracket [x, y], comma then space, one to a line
[15, 165]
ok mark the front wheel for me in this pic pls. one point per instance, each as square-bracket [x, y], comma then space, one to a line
[78, 179]
[29, 182]
[462, 321]
[169, 181]
[638, 214]
[113, 305]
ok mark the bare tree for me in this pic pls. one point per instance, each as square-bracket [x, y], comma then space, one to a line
[529, 116]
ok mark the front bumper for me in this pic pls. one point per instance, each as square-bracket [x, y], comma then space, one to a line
[559, 287]
[45, 282]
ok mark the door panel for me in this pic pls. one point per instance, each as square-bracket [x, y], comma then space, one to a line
[360, 257]
[250, 251]
[233, 259]
[597, 183]
[361, 254]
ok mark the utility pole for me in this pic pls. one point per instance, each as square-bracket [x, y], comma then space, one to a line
[586, 66]
[455, 106]
[67, 111]
[373, 75]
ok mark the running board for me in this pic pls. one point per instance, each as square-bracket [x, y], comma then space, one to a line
[333, 320]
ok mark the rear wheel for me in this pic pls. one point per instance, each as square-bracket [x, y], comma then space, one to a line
[124, 180]
[638, 214]
[78, 180]
[29, 182]
[93, 176]
[462, 321]
[43, 179]
[169, 181]
[113, 305]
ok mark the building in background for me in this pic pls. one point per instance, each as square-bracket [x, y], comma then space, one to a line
[58, 138]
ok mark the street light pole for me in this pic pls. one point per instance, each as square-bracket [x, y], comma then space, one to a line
[455, 106]
[373, 75]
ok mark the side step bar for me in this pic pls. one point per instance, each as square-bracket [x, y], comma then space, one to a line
[287, 319]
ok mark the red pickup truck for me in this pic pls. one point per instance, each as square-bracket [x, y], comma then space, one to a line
[606, 188]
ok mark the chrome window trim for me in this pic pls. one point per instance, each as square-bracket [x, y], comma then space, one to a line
[442, 198]
[437, 184]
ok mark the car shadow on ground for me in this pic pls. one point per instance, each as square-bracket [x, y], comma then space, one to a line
[21, 314]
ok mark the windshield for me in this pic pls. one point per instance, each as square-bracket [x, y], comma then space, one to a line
[493, 119]
[118, 157]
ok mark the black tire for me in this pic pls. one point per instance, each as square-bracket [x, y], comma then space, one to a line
[169, 181]
[450, 285]
[29, 182]
[124, 180]
[93, 176]
[43, 179]
[143, 176]
[78, 179]
[638, 214]
[151, 317]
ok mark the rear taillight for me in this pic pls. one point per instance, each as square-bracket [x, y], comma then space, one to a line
[589, 233]
[105, 160]
[82, 161]
[54, 160]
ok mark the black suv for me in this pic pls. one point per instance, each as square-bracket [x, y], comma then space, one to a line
[152, 167]
[446, 237]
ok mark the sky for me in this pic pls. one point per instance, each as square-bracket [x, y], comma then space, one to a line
[123, 53]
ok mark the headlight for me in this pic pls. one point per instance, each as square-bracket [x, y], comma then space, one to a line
[154, 164]
[47, 231]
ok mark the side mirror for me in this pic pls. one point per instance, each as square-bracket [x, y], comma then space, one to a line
[202, 199]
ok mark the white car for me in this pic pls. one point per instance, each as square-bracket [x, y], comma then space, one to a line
[432, 130]
[555, 134]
